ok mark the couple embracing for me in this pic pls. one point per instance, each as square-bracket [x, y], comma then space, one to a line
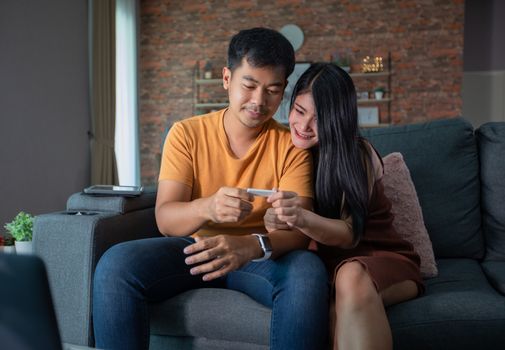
[329, 195]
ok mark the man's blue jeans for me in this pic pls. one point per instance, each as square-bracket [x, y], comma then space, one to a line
[132, 274]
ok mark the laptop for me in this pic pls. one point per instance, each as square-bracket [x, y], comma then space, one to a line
[27, 317]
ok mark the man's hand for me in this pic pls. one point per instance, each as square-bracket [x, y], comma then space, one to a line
[221, 254]
[287, 208]
[229, 204]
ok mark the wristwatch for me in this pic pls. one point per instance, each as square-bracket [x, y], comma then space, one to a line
[265, 245]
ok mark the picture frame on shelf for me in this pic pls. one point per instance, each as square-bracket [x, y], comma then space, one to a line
[368, 116]
[282, 113]
[363, 95]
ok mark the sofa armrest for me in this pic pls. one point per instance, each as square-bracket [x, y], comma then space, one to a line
[72, 242]
[107, 203]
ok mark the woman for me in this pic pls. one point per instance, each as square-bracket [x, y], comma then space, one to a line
[372, 267]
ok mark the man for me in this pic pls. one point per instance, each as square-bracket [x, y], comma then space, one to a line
[208, 161]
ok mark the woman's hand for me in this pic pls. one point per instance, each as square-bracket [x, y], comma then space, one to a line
[272, 221]
[286, 211]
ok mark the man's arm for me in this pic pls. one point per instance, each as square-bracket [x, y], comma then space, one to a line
[222, 254]
[178, 215]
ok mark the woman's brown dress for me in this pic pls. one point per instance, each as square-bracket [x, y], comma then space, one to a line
[387, 258]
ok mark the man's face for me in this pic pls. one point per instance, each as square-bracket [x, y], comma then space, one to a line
[254, 93]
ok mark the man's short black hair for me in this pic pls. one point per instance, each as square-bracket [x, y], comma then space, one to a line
[262, 47]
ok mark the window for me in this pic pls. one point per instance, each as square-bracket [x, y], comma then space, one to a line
[126, 133]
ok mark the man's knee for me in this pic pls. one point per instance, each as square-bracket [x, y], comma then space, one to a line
[305, 274]
[137, 263]
[113, 266]
[305, 265]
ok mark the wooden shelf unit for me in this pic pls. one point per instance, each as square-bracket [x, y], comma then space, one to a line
[367, 82]
[215, 98]
[373, 101]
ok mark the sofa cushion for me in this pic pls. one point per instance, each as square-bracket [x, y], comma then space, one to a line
[408, 217]
[459, 310]
[444, 165]
[491, 140]
[213, 313]
[160, 342]
[495, 272]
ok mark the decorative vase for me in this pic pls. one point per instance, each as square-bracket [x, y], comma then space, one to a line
[8, 249]
[24, 247]
[379, 95]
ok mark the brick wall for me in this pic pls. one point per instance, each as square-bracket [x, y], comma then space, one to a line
[424, 38]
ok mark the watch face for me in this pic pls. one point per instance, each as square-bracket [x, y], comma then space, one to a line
[266, 243]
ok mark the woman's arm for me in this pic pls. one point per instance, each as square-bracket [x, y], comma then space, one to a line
[287, 211]
[330, 232]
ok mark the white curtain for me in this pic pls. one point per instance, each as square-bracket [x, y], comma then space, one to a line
[127, 135]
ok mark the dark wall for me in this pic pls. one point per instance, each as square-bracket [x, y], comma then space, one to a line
[498, 41]
[44, 104]
[484, 29]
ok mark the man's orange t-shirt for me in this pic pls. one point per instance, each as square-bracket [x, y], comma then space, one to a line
[197, 154]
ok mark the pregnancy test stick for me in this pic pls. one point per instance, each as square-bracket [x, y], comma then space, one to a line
[259, 192]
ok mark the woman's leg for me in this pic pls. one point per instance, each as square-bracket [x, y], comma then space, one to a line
[361, 320]
[129, 276]
[296, 287]
[399, 292]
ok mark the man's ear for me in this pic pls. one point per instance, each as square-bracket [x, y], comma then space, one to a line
[226, 77]
[285, 85]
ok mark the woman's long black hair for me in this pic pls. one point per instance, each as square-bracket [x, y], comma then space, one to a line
[338, 158]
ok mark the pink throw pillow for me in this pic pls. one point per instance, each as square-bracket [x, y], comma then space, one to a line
[408, 216]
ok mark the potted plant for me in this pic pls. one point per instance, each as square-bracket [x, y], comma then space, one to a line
[343, 61]
[379, 92]
[7, 244]
[21, 229]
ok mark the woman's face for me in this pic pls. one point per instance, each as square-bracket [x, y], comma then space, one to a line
[303, 122]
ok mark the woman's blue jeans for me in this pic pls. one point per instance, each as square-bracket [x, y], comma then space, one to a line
[132, 274]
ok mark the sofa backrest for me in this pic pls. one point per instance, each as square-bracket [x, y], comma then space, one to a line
[491, 141]
[443, 161]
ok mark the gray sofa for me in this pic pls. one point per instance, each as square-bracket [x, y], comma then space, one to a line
[459, 175]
